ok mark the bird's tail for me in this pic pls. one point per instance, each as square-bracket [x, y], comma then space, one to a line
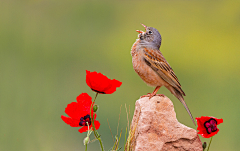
[181, 99]
[186, 107]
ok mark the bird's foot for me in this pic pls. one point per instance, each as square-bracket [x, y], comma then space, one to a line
[161, 95]
[150, 95]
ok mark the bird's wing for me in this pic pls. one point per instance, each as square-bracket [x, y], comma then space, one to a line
[158, 63]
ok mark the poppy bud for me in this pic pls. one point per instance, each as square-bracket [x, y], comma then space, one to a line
[86, 140]
[204, 145]
[95, 108]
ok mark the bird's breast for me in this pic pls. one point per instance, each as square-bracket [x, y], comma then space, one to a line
[146, 73]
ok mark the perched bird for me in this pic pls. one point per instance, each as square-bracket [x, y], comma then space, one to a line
[149, 63]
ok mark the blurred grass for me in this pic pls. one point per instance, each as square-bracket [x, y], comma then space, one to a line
[46, 46]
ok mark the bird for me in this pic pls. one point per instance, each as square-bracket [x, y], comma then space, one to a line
[149, 63]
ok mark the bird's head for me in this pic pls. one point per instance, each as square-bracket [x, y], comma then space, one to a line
[151, 36]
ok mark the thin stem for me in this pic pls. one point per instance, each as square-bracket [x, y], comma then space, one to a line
[119, 119]
[100, 141]
[110, 130]
[88, 134]
[127, 116]
[86, 148]
[125, 137]
[93, 125]
[92, 117]
[209, 143]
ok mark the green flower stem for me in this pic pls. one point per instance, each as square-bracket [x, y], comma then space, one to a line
[209, 143]
[93, 125]
[86, 148]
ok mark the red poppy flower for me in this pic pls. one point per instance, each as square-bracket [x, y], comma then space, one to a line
[207, 126]
[79, 113]
[100, 83]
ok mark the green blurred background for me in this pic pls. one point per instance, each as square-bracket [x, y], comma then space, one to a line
[46, 46]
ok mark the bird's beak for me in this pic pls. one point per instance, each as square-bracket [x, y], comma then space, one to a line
[139, 31]
[144, 26]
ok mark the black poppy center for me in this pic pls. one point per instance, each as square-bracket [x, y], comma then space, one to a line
[85, 121]
[211, 125]
[98, 91]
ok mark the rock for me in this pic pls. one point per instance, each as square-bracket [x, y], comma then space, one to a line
[155, 127]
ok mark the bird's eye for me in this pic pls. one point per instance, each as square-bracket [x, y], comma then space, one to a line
[150, 32]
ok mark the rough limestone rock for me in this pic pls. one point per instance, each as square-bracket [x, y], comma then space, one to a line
[155, 127]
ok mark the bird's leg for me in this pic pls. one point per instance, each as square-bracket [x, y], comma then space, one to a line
[150, 95]
[155, 92]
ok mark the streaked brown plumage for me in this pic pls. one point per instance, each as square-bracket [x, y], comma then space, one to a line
[152, 67]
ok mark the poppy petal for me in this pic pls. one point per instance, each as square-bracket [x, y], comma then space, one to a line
[97, 125]
[84, 129]
[219, 121]
[114, 85]
[97, 81]
[70, 121]
[85, 101]
[76, 110]
[71, 109]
